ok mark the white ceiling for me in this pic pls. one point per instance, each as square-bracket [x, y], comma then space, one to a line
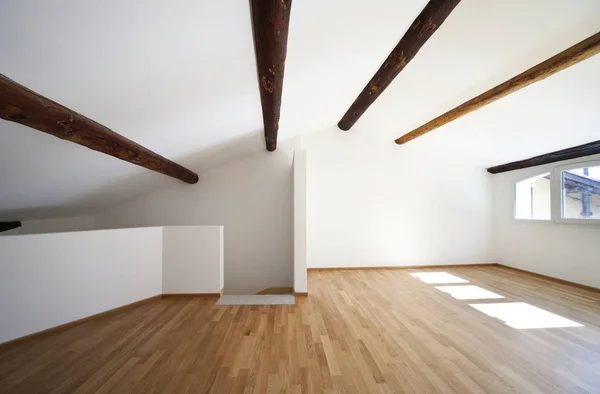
[179, 77]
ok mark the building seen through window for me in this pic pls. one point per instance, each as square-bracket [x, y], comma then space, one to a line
[581, 193]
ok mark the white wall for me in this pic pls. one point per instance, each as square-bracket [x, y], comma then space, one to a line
[51, 279]
[58, 225]
[561, 250]
[369, 202]
[300, 279]
[251, 198]
[192, 259]
[373, 203]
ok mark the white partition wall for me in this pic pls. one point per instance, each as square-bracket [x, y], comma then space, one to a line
[192, 259]
[300, 285]
[250, 197]
[50, 279]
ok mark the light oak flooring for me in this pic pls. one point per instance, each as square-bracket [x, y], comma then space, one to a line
[359, 331]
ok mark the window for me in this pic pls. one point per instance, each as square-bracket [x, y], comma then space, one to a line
[565, 194]
[580, 189]
[532, 198]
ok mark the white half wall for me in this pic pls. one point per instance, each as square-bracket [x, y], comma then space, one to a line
[373, 203]
[58, 225]
[300, 277]
[562, 250]
[251, 198]
[50, 279]
[192, 259]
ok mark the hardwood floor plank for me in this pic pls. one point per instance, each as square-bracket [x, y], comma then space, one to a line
[359, 331]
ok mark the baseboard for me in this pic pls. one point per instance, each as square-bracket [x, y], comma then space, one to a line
[276, 290]
[186, 295]
[562, 281]
[65, 326]
[301, 293]
[222, 291]
[395, 267]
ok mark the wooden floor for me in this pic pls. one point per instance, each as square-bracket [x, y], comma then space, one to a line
[366, 331]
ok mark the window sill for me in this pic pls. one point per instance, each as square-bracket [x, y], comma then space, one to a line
[532, 221]
[578, 221]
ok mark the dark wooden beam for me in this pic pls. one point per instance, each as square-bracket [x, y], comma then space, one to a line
[270, 22]
[577, 53]
[428, 21]
[22, 105]
[5, 226]
[593, 148]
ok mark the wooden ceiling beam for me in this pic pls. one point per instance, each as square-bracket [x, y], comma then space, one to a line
[593, 148]
[270, 23]
[427, 23]
[22, 105]
[5, 226]
[575, 54]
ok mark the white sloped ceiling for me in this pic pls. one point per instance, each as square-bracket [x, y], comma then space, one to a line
[180, 78]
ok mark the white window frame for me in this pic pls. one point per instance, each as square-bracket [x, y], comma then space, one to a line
[556, 195]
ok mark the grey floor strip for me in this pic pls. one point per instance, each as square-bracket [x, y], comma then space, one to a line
[271, 299]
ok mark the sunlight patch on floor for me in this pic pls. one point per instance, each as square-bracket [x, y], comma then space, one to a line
[438, 277]
[468, 292]
[524, 316]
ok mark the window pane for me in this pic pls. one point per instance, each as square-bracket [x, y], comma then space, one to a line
[581, 193]
[532, 198]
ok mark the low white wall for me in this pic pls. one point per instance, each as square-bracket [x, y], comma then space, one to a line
[51, 279]
[561, 250]
[192, 259]
[58, 225]
[300, 280]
